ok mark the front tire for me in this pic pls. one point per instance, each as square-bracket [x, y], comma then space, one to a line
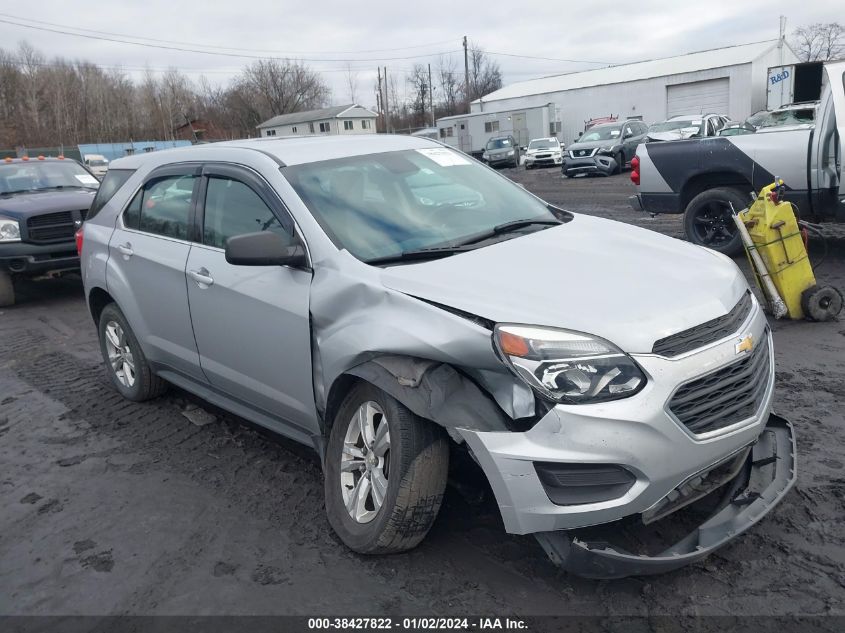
[126, 365]
[7, 290]
[708, 221]
[385, 473]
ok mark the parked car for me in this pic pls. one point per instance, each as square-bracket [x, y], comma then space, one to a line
[97, 163]
[686, 126]
[304, 285]
[501, 150]
[704, 178]
[543, 151]
[43, 201]
[792, 114]
[604, 149]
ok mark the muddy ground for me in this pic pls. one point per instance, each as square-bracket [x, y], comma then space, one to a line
[111, 507]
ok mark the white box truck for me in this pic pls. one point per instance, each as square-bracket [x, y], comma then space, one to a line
[470, 132]
[793, 83]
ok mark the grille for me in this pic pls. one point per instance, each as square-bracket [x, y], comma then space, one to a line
[543, 156]
[581, 153]
[707, 332]
[726, 396]
[51, 227]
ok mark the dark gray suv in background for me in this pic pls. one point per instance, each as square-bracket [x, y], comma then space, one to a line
[604, 149]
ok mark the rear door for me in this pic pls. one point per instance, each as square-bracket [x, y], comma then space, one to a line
[251, 323]
[148, 251]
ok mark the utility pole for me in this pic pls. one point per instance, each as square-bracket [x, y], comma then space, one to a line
[782, 37]
[466, 72]
[381, 101]
[386, 103]
[431, 96]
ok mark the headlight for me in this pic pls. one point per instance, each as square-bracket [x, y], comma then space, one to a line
[606, 150]
[568, 367]
[10, 230]
[510, 152]
[485, 156]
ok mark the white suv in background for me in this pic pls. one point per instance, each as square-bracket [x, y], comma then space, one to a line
[543, 151]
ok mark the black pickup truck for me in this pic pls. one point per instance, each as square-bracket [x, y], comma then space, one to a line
[703, 178]
[43, 201]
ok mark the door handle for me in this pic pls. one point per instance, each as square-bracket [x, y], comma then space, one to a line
[202, 277]
[126, 250]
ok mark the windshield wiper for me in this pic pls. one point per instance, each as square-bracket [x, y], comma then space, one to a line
[419, 254]
[461, 246]
[64, 187]
[507, 227]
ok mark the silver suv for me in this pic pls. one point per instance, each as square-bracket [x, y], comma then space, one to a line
[383, 298]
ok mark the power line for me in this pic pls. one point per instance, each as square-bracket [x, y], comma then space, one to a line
[225, 48]
[550, 59]
[202, 52]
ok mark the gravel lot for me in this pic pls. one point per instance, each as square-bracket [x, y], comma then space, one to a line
[111, 507]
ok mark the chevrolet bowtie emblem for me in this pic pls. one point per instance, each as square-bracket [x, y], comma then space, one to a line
[746, 344]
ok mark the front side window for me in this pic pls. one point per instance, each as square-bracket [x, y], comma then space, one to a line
[381, 205]
[233, 208]
[162, 207]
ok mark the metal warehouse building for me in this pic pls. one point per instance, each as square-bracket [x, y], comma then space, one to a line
[731, 81]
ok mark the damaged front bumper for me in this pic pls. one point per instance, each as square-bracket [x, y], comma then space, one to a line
[767, 475]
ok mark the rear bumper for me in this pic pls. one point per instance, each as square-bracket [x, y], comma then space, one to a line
[767, 475]
[32, 259]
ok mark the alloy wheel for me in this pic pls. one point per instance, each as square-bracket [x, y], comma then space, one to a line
[714, 224]
[120, 355]
[365, 462]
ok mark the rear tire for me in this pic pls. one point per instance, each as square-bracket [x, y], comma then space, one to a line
[7, 290]
[708, 221]
[408, 477]
[126, 365]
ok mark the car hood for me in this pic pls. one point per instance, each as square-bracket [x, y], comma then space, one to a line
[550, 150]
[23, 205]
[501, 150]
[628, 285]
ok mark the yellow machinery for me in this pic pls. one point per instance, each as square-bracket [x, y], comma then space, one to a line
[778, 253]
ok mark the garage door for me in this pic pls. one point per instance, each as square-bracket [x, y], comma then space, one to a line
[699, 97]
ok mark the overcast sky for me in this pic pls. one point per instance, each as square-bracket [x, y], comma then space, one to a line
[377, 33]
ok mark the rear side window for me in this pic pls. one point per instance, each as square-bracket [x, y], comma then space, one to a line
[233, 208]
[162, 207]
[114, 180]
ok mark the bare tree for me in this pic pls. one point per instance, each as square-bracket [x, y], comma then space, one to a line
[485, 76]
[820, 41]
[418, 83]
[450, 84]
[352, 83]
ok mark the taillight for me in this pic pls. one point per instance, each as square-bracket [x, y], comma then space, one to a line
[79, 237]
[635, 170]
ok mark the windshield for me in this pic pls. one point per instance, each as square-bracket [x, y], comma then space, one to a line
[600, 133]
[36, 175]
[499, 143]
[380, 205]
[786, 117]
[669, 126]
[543, 144]
[97, 162]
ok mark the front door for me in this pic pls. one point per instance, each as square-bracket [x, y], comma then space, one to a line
[520, 129]
[148, 252]
[251, 323]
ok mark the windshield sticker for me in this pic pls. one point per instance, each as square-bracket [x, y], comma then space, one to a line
[444, 157]
[614, 133]
[86, 179]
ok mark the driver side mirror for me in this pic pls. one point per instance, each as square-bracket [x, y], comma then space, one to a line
[266, 249]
